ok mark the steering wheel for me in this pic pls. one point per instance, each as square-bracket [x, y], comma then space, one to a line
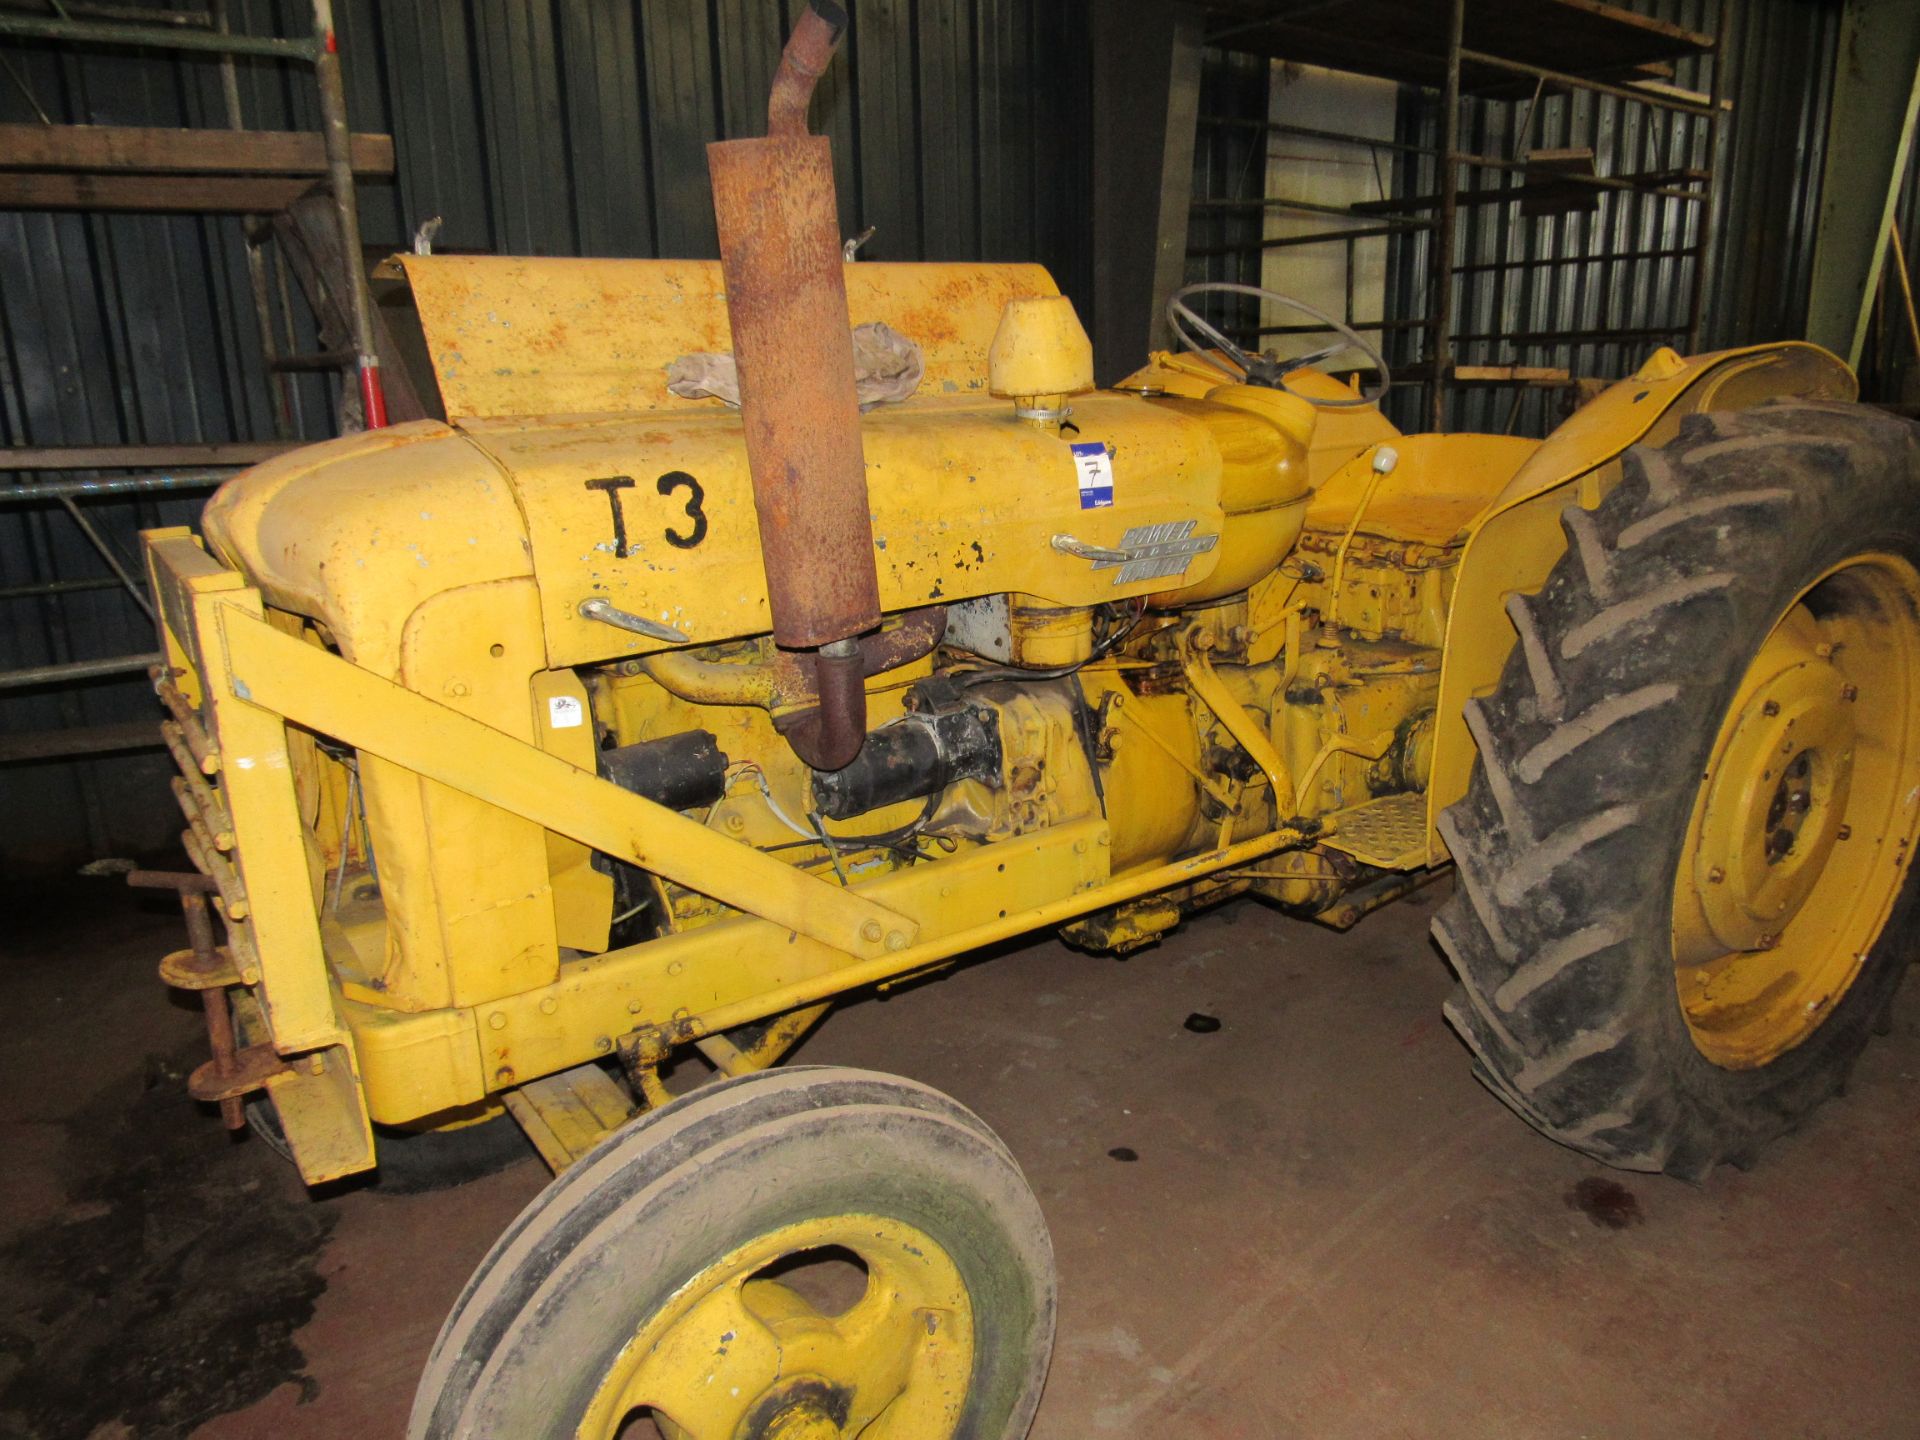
[1268, 369]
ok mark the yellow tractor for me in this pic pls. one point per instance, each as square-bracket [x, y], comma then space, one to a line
[527, 754]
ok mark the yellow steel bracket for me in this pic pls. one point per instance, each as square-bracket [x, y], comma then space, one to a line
[265, 893]
[1241, 723]
[305, 684]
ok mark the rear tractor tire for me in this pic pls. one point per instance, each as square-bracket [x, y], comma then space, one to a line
[796, 1254]
[1686, 891]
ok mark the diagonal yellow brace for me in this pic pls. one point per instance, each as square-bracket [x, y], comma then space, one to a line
[306, 684]
[1244, 727]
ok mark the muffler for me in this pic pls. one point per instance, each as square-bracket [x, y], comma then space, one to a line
[792, 340]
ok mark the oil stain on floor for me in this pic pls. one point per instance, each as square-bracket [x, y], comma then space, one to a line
[169, 1287]
[1607, 1203]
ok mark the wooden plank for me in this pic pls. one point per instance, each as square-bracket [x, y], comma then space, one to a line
[1677, 92]
[207, 194]
[137, 457]
[1510, 375]
[1577, 160]
[137, 150]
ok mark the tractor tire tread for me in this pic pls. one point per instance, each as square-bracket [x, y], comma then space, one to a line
[1558, 929]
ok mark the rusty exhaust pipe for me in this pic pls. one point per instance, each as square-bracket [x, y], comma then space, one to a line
[779, 230]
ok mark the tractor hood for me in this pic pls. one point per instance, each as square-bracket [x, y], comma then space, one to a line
[566, 458]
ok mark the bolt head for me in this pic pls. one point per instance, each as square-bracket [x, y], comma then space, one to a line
[498, 1020]
[870, 931]
[603, 1044]
[896, 940]
[1772, 707]
[1716, 876]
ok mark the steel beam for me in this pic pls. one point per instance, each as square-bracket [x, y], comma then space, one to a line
[1870, 129]
[1176, 173]
[121, 485]
[106, 32]
[76, 670]
[1146, 111]
[138, 457]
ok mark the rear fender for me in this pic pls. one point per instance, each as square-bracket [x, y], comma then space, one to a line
[1516, 540]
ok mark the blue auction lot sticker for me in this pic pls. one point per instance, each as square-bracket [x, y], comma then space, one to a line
[1094, 464]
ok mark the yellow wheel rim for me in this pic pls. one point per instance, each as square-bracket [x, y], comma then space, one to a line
[1805, 818]
[739, 1355]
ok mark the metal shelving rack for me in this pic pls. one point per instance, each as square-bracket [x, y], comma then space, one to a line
[265, 177]
[1519, 51]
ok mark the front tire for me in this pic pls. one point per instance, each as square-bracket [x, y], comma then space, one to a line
[1685, 882]
[656, 1276]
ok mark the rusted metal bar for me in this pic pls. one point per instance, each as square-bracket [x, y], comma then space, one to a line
[1380, 209]
[1440, 338]
[203, 811]
[123, 485]
[171, 880]
[346, 207]
[779, 233]
[185, 727]
[213, 1000]
[1703, 217]
[199, 821]
[233, 896]
[173, 736]
[74, 670]
[135, 457]
[57, 587]
[1339, 137]
[134, 588]
[1581, 82]
[1284, 242]
[206, 968]
[36, 27]
[140, 14]
[29, 745]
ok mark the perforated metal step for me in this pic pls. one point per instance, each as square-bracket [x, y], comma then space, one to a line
[1390, 832]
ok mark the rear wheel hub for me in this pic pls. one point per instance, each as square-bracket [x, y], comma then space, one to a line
[1800, 830]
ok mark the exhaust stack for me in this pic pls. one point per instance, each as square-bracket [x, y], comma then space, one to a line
[792, 339]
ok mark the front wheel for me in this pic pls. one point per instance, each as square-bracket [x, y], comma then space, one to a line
[792, 1255]
[1686, 882]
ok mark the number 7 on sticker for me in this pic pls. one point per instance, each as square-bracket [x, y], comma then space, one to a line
[1093, 463]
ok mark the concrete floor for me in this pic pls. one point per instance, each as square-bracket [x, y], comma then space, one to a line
[1329, 1230]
